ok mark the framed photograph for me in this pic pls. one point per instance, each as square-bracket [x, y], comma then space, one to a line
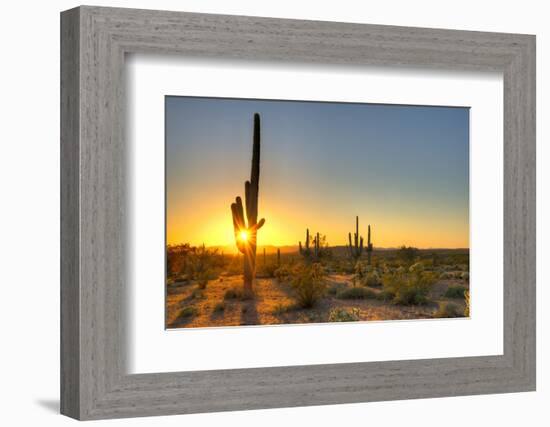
[262, 213]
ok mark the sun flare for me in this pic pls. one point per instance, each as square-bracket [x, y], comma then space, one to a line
[243, 235]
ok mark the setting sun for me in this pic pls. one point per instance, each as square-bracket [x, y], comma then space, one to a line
[243, 235]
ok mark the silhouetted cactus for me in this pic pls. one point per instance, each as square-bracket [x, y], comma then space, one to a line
[307, 252]
[355, 247]
[304, 250]
[246, 231]
[369, 247]
[278, 257]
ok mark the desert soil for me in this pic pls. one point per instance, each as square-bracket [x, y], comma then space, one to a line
[274, 304]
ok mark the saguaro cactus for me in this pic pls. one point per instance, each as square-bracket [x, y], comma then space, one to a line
[306, 251]
[369, 247]
[355, 247]
[246, 231]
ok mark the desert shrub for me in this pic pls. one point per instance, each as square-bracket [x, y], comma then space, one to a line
[343, 266]
[356, 293]
[283, 273]
[407, 254]
[416, 268]
[344, 315]
[409, 288]
[448, 309]
[455, 292]
[189, 311]
[268, 269]
[467, 300]
[202, 279]
[177, 259]
[373, 279]
[235, 266]
[447, 275]
[309, 284]
[361, 270]
[219, 307]
[203, 264]
[233, 293]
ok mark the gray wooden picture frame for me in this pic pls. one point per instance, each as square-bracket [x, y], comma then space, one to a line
[94, 382]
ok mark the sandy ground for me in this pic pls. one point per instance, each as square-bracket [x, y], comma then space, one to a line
[274, 304]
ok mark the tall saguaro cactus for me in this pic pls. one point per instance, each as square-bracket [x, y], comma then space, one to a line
[355, 247]
[246, 231]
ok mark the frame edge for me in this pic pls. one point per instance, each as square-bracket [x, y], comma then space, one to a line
[70, 395]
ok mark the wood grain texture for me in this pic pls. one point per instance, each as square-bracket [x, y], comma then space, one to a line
[94, 195]
[70, 220]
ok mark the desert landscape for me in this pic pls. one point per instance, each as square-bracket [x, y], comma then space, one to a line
[205, 287]
[251, 280]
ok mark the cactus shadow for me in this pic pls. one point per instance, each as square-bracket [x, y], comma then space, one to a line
[249, 312]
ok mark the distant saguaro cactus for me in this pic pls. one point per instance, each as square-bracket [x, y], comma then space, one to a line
[355, 247]
[246, 231]
[306, 251]
[369, 247]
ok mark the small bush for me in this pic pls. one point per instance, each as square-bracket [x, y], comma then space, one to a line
[409, 288]
[361, 270]
[448, 309]
[282, 273]
[344, 315]
[219, 307]
[202, 282]
[455, 292]
[309, 284]
[189, 311]
[268, 270]
[356, 293]
[373, 280]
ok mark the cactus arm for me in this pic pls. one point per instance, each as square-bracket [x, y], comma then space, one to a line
[257, 226]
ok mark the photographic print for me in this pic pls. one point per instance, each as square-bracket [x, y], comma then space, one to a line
[297, 212]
